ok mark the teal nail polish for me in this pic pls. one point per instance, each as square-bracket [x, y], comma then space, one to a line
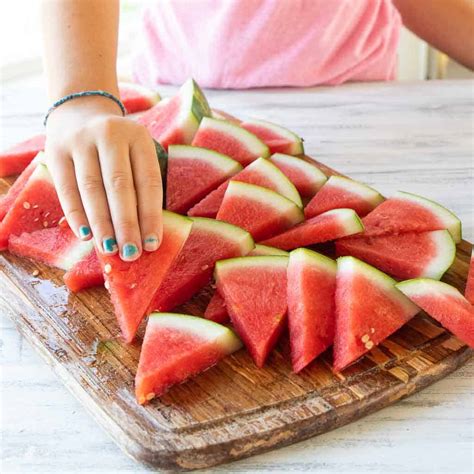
[129, 250]
[150, 244]
[84, 231]
[109, 245]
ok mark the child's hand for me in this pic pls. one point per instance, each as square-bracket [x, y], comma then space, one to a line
[107, 176]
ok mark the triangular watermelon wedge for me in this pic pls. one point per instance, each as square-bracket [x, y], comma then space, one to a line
[469, 292]
[278, 139]
[306, 177]
[133, 285]
[8, 199]
[230, 139]
[254, 289]
[194, 172]
[221, 114]
[406, 212]
[369, 308]
[86, 273]
[311, 308]
[216, 310]
[340, 192]
[176, 347]
[209, 241]
[409, 255]
[178, 120]
[261, 173]
[444, 303]
[258, 210]
[18, 157]
[36, 207]
[328, 226]
[136, 97]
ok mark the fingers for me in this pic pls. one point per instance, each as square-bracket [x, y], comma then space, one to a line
[148, 185]
[61, 168]
[94, 199]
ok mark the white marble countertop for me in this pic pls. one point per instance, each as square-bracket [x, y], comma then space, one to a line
[415, 137]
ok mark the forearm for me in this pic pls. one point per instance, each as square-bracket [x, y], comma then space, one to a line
[80, 45]
[448, 25]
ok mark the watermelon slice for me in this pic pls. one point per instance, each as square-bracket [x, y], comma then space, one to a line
[176, 347]
[132, 285]
[209, 241]
[328, 226]
[469, 292]
[277, 138]
[444, 303]
[220, 114]
[86, 273]
[7, 201]
[258, 210]
[254, 289]
[216, 310]
[406, 212]
[306, 177]
[230, 139]
[178, 120]
[193, 173]
[369, 308]
[409, 255]
[340, 192]
[261, 173]
[57, 247]
[136, 97]
[36, 207]
[311, 308]
[19, 156]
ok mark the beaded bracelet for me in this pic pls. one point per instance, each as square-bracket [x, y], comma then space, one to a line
[83, 94]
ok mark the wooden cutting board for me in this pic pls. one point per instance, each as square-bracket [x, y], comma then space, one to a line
[233, 410]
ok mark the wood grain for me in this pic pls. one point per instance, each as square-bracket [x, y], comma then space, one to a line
[233, 410]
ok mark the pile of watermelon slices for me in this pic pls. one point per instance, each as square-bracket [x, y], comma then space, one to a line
[276, 241]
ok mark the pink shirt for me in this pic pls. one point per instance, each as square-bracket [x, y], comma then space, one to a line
[257, 43]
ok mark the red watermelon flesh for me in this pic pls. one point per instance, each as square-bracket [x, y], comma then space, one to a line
[133, 285]
[8, 199]
[178, 120]
[18, 157]
[193, 173]
[36, 207]
[57, 247]
[311, 308]
[230, 139]
[136, 97]
[409, 255]
[258, 210]
[306, 177]
[340, 192]
[261, 173]
[254, 289]
[176, 347]
[469, 293]
[277, 138]
[209, 241]
[328, 226]
[369, 308]
[406, 212]
[444, 303]
[86, 273]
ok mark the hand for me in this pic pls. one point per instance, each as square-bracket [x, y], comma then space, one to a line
[107, 176]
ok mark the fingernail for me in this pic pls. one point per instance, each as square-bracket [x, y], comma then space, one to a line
[150, 243]
[109, 245]
[84, 231]
[129, 251]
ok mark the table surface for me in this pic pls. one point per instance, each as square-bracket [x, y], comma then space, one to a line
[415, 137]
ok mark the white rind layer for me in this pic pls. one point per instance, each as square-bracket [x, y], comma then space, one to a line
[150, 94]
[75, 254]
[263, 250]
[355, 187]
[445, 254]
[259, 261]
[428, 287]
[347, 218]
[317, 176]
[314, 259]
[177, 222]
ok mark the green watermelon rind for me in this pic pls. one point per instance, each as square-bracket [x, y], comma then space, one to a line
[204, 328]
[297, 146]
[177, 222]
[315, 259]
[378, 278]
[349, 219]
[445, 255]
[228, 231]
[248, 139]
[264, 250]
[362, 190]
[449, 219]
[276, 261]
[428, 287]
